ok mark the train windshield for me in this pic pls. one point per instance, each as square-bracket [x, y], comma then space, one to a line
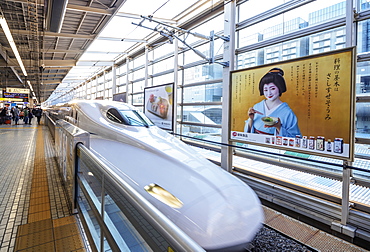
[129, 117]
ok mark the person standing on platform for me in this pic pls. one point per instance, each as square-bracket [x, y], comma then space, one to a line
[3, 115]
[38, 113]
[30, 116]
[12, 114]
[25, 115]
[16, 115]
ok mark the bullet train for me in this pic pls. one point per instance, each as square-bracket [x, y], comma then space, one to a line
[216, 209]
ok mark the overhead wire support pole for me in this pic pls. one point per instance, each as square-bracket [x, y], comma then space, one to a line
[177, 28]
[170, 35]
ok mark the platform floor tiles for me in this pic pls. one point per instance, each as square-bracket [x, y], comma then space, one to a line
[34, 214]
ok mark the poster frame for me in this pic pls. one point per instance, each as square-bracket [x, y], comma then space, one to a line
[171, 114]
[118, 96]
[352, 98]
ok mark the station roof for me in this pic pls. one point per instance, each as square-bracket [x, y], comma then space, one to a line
[61, 43]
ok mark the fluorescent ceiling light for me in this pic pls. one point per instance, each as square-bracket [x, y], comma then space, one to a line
[29, 84]
[9, 36]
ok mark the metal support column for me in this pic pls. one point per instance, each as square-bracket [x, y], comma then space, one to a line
[127, 77]
[114, 80]
[146, 66]
[346, 171]
[104, 87]
[228, 56]
[176, 83]
[96, 88]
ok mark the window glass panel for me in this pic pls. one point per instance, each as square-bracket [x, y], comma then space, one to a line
[163, 79]
[216, 25]
[138, 74]
[138, 86]
[364, 5]
[363, 78]
[138, 99]
[203, 93]
[296, 19]
[163, 65]
[363, 120]
[203, 114]
[122, 89]
[190, 56]
[203, 73]
[321, 42]
[363, 41]
[254, 7]
[163, 50]
[139, 61]
[201, 131]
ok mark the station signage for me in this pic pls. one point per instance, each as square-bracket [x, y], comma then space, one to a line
[15, 94]
[18, 90]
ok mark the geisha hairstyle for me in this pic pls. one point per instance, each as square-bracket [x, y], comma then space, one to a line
[275, 76]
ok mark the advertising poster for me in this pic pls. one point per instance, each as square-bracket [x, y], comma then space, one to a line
[158, 105]
[303, 105]
[121, 97]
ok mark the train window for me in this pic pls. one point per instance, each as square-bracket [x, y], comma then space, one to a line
[115, 116]
[129, 117]
[136, 118]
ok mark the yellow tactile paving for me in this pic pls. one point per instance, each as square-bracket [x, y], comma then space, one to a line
[42, 233]
[39, 216]
[71, 243]
[39, 208]
[34, 239]
[64, 221]
[34, 227]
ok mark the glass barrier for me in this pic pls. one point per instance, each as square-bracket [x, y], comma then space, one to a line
[118, 218]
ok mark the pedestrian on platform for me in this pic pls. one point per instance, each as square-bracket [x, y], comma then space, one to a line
[30, 116]
[16, 115]
[25, 115]
[38, 113]
[3, 115]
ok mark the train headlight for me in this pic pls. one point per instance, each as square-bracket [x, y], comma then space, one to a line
[163, 195]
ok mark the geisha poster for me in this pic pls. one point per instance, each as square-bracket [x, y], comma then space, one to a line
[303, 105]
[158, 105]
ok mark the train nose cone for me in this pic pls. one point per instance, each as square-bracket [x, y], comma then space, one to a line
[225, 220]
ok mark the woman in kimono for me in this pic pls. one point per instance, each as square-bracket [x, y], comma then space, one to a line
[272, 85]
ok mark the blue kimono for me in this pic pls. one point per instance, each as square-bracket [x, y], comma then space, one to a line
[289, 122]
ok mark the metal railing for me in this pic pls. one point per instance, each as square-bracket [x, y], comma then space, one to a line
[119, 218]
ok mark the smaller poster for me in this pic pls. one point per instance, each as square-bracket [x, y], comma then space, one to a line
[121, 97]
[158, 105]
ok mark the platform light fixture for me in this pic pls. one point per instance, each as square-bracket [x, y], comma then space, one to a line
[5, 27]
[29, 84]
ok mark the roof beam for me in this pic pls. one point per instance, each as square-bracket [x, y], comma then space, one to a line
[139, 16]
[59, 63]
[61, 51]
[52, 82]
[95, 63]
[39, 2]
[55, 34]
[56, 68]
[16, 74]
[90, 9]
[122, 39]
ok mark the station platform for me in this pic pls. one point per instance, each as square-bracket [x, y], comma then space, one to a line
[34, 214]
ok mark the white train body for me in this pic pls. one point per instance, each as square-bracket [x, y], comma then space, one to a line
[218, 211]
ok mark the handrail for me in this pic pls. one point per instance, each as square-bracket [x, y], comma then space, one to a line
[176, 237]
[272, 153]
